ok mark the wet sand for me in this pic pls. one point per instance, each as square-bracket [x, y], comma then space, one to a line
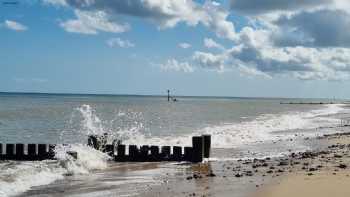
[321, 171]
[333, 179]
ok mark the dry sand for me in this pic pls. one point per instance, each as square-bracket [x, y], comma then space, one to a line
[328, 181]
[322, 184]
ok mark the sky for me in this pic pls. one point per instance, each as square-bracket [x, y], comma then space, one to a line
[243, 48]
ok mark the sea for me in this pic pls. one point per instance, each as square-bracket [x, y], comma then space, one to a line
[240, 128]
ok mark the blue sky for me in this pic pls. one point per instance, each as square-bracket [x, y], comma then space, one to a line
[209, 48]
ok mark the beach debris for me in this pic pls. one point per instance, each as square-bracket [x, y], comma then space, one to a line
[342, 166]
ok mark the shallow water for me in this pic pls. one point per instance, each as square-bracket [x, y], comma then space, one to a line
[240, 128]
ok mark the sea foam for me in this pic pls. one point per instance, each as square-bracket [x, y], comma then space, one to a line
[18, 177]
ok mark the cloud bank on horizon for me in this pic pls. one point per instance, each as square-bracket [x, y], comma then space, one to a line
[306, 39]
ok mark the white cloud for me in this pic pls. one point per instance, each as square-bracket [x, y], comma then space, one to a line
[210, 43]
[92, 22]
[113, 42]
[252, 7]
[184, 45]
[164, 13]
[249, 71]
[55, 2]
[174, 65]
[217, 21]
[306, 40]
[209, 60]
[13, 25]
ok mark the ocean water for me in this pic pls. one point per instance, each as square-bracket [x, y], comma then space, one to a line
[240, 128]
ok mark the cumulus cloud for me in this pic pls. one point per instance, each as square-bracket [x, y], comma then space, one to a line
[321, 28]
[164, 13]
[92, 22]
[55, 2]
[265, 6]
[305, 39]
[210, 43]
[118, 42]
[184, 45]
[209, 60]
[259, 59]
[13, 25]
[174, 65]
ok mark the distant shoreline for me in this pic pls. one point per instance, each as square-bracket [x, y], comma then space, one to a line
[158, 95]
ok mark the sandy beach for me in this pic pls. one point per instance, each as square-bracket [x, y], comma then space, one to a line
[271, 155]
[321, 172]
[333, 179]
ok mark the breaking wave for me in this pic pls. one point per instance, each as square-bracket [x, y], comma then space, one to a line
[18, 177]
[266, 127]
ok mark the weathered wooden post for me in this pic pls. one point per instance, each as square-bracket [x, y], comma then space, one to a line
[20, 151]
[109, 149]
[168, 95]
[165, 152]
[155, 156]
[177, 153]
[133, 152]
[144, 150]
[120, 153]
[207, 145]
[188, 153]
[73, 154]
[42, 153]
[52, 151]
[10, 151]
[93, 142]
[31, 149]
[198, 148]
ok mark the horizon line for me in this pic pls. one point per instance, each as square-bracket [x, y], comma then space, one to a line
[160, 95]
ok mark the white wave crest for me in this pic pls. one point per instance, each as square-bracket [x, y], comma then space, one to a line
[263, 128]
[18, 177]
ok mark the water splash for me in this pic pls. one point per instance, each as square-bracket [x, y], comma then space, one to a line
[17, 177]
[91, 124]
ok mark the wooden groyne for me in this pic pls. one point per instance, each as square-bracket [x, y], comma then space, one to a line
[34, 152]
[147, 153]
[308, 103]
[121, 153]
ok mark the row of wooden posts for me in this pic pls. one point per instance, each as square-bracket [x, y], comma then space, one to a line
[200, 149]
[34, 152]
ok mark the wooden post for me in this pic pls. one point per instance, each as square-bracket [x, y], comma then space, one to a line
[42, 153]
[73, 154]
[10, 151]
[168, 95]
[144, 153]
[93, 142]
[177, 153]
[133, 153]
[2, 156]
[165, 152]
[20, 151]
[155, 156]
[188, 153]
[109, 149]
[32, 152]
[198, 148]
[207, 145]
[52, 151]
[120, 153]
